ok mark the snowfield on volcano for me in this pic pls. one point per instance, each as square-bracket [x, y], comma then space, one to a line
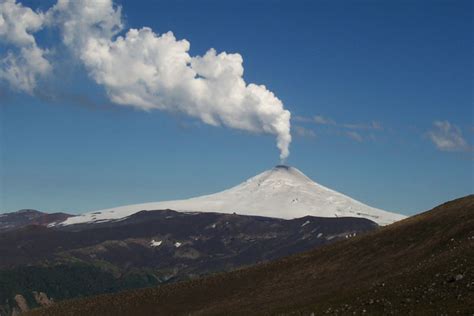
[281, 192]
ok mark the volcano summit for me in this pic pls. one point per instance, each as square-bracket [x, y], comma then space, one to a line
[281, 192]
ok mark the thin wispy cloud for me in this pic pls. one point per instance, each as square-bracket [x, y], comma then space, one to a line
[353, 131]
[323, 120]
[301, 119]
[304, 132]
[355, 136]
[318, 119]
[448, 137]
[374, 125]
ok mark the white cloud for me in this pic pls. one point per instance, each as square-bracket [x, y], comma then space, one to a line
[141, 68]
[374, 125]
[301, 119]
[323, 120]
[355, 136]
[447, 137]
[21, 66]
[355, 131]
[304, 132]
[151, 71]
[318, 119]
[81, 21]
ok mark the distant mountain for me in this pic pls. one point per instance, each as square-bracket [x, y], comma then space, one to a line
[148, 249]
[419, 266]
[282, 192]
[22, 218]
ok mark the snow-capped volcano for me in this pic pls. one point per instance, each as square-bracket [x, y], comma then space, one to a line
[282, 192]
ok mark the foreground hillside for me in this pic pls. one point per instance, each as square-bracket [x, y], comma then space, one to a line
[148, 249]
[421, 265]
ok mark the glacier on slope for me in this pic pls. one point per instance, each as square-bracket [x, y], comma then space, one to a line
[281, 192]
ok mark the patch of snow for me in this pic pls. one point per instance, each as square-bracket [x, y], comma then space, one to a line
[319, 235]
[305, 223]
[177, 244]
[272, 194]
[154, 243]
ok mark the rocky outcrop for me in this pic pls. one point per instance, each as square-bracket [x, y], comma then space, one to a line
[42, 299]
[22, 303]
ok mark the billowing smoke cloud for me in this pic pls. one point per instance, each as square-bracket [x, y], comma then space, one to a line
[151, 71]
[24, 62]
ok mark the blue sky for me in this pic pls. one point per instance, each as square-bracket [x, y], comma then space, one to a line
[380, 93]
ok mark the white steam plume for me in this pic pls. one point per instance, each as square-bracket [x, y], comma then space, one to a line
[151, 71]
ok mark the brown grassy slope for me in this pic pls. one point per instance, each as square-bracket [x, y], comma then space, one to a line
[422, 265]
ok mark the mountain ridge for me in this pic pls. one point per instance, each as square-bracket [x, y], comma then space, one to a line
[22, 218]
[281, 192]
